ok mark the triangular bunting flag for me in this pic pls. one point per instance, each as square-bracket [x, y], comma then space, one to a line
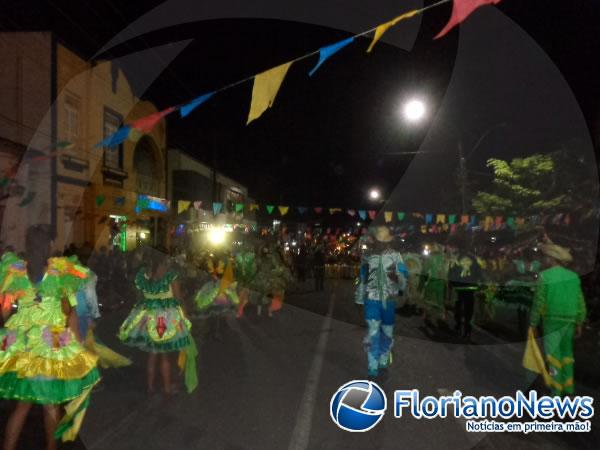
[185, 110]
[270, 209]
[326, 52]
[372, 215]
[333, 211]
[388, 216]
[401, 216]
[428, 219]
[118, 137]
[146, 124]
[264, 91]
[440, 218]
[464, 219]
[302, 209]
[510, 222]
[352, 212]
[283, 210]
[253, 207]
[217, 207]
[461, 9]
[381, 29]
[27, 199]
[424, 229]
[362, 214]
[452, 219]
[198, 205]
[183, 206]
[318, 210]
[100, 200]
[453, 228]
[239, 207]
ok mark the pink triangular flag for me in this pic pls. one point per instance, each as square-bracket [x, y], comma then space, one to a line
[372, 214]
[145, 124]
[462, 9]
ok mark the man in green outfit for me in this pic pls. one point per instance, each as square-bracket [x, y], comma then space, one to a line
[560, 307]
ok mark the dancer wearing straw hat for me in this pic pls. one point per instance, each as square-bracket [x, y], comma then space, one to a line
[560, 308]
[383, 275]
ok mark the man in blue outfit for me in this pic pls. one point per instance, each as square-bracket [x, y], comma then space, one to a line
[382, 276]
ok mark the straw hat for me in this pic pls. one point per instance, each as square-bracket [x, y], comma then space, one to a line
[382, 234]
[561, 254]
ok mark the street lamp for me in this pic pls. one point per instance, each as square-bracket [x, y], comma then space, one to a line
[374, 194]
[414, 110]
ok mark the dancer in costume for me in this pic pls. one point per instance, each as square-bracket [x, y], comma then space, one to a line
[219, 295]
[414, 294]
[157, 324]
[560, 308]
[434, 290]
[41, 358]
[281, 278]
[270, 282]
[383, 276]
[245, 272]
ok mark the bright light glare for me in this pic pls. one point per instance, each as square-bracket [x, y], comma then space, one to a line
[143, 235]
[216, 236]
[414, 110]
[374, 194]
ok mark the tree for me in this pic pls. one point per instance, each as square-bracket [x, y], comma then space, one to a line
[538, 184]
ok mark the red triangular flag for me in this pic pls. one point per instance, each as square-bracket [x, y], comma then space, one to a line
[145, 124]
[461, 9]
[372, 214]
[318, 210]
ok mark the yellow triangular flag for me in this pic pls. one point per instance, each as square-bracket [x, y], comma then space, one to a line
[533, 359]
[253, 207]
[440, 218]
[264, 91]
[388, 216]
[283, 210]
[182, 206]
[386, 26]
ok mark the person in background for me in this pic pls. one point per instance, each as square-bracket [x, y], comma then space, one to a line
[319, 268]
[383, 276]
[464, 278]
[559, 307]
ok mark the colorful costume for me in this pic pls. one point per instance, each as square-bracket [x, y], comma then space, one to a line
[414, 267]
[219, 295]
[434, 291]
[560, 306]
[271, 280]
[245, 273]
[383, 276]
[157, 324]
[41, 360]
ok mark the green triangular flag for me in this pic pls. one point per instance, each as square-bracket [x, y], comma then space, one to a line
[100, 200]
[401, 216]
[510, 222]
[27, 199]
[451, 218]
[239, 207]
[270, 209]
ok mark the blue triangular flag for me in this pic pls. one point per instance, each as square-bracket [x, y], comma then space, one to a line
[118, 137]
[217, 208]
[428, 218]
[362, 214]
[326, 52]
[188, 108]
[302, 209]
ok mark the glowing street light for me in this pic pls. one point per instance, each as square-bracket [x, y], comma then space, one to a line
[374, 194]
[216, 236]
[414, 110]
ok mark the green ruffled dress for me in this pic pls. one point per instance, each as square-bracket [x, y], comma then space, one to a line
[157, 323]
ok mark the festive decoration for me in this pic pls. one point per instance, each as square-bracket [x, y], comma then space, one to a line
[362, 214]
[253, 207]
[372, 215]
[283, 210]
[185, 110]
[217, 207]
[270, 208]
[318, 210]
[239, 207]
[198, 205]
[147, 123]
[326, 52]
[440, 218]
[264, 91]
[183, 206]
[352, 212]
[302, 209]
[100, 200]
[428, 219]
[388, 216]
[118, 137]
[401, 216]
[333, 211]
[381, 29]
[461, 9]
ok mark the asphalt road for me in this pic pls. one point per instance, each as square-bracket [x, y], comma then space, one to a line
[266, 383]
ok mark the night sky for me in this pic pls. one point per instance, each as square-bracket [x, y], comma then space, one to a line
[331, 137]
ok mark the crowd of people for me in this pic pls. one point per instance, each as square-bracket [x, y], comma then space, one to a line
[51, 303]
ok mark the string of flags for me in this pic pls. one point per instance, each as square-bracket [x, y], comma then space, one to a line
[266, 84]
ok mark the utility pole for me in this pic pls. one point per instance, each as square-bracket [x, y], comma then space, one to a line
[462, 178]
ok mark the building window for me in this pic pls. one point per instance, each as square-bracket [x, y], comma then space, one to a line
[113, 156]
[72, 124]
